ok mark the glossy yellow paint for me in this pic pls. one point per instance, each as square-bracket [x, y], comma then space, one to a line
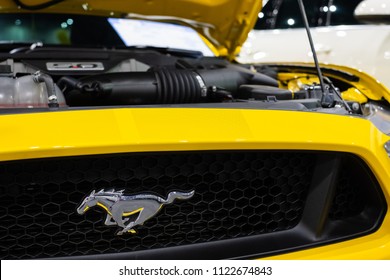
[132, 130]
[104, 131]
[367, 85]
[104, 207]
[353, 94]
[225, 23]
[132, 212]
[296, 81]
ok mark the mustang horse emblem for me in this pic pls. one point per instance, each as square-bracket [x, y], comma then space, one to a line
[120, 207]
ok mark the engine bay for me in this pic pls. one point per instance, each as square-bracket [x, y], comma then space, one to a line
[68, 77]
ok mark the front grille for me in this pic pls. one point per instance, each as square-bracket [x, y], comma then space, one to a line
[237, 194]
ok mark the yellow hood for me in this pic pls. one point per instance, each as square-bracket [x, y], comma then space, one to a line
[224, 23]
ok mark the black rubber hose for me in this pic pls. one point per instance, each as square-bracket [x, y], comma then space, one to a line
[50, 86]
[67, 82]
[162, 86]
[159, 86]
[180, 86]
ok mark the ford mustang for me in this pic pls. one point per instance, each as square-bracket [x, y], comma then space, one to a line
[128, 131]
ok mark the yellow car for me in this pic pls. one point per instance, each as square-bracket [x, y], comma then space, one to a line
[128, 131]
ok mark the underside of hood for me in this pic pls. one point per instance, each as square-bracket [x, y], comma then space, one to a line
[224, 23]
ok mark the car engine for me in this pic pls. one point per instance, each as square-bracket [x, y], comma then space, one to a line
[144, 77]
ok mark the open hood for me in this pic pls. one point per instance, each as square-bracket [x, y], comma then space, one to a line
[224, 23]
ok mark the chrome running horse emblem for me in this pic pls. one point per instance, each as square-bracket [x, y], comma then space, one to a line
[120, 207]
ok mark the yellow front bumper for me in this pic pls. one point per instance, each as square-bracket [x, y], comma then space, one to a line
[104, 131]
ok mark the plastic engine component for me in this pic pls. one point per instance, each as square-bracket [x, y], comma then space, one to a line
[259, 92]
[159, 86]
[24, 92]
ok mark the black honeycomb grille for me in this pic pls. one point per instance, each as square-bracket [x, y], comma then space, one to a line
[352, 193]
[238, 194]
